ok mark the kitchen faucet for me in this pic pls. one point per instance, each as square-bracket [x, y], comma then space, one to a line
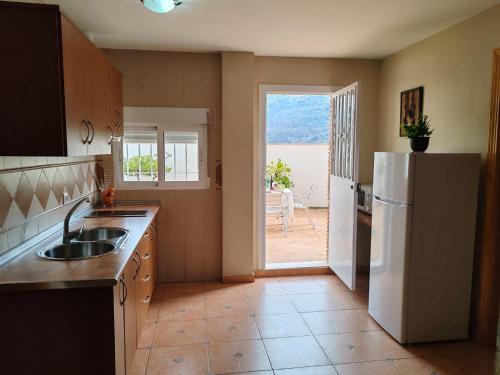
[67, 235]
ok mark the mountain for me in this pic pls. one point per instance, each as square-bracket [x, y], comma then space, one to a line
[298, 118]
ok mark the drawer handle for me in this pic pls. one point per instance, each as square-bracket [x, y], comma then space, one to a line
[146, 256]
[146, 278]
[147, 299]
[146, 235]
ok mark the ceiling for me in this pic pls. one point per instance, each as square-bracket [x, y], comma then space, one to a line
[312, 28]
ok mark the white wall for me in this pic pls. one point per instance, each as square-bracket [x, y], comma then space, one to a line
[309, 165]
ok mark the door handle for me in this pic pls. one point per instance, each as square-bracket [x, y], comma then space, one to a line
[352, 187]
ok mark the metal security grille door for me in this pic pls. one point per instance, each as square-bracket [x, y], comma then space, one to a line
[343, 177]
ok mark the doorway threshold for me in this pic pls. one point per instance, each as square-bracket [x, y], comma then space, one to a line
[287, 265]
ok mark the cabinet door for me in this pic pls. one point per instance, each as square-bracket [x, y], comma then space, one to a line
[129, 313]
[77, 130]
[96, 98]
[118, 298]
[116, 100]
[31, 93]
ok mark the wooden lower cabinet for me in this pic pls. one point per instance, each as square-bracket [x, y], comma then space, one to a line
[79, 331]
[146, 250]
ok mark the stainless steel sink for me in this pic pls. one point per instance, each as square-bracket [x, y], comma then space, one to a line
[101, 234]
[90, 243]
[77, 250]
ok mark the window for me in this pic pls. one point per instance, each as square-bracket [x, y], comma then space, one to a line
[183, 166]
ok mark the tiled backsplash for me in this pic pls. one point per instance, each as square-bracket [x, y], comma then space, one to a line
[32, 191]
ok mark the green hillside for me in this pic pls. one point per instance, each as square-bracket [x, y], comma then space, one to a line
[298, 118]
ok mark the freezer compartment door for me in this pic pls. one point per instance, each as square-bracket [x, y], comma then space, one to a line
[388, 262]
[393, 176]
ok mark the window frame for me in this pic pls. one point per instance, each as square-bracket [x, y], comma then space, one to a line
[203, 182]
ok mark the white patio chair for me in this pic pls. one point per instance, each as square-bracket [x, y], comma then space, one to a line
[277, 206]
[302, 200]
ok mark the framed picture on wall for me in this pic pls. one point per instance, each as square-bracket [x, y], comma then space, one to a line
[411, 106]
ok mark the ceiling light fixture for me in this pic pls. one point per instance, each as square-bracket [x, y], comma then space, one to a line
[161, 6]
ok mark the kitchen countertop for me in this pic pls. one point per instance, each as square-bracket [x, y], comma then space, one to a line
[28, 271]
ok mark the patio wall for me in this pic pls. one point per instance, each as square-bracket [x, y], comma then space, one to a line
[309, 164]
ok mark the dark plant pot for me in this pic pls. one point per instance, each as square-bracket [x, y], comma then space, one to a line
[419, 144]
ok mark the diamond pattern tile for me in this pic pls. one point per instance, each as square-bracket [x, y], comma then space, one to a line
[24, 195]
[58, 186]
[5, 202]
[80, 179]
[42, 190]
[70, 183]
[89, 178]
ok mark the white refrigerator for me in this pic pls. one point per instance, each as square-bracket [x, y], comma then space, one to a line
[422, 245]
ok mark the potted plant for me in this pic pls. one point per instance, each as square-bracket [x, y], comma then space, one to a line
[278, 174]
[418, 132]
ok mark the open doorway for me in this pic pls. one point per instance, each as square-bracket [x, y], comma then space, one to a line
[295, 131]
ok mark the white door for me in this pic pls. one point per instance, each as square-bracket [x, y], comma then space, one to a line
[343, 178]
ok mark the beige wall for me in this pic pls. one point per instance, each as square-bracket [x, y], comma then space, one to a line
[454, 66]
[238, 162]
[332, 72]
[190, 222]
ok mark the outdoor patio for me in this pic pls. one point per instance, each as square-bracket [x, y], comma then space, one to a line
[302, 244]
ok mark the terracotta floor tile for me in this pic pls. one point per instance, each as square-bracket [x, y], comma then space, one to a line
[284, 325]
[419, 366]
[179, 360]
[182, 289]
[361, 347]
[264, 288]
[269, 305]
[228, 307]
[370, 368]
[146, 339]
[238, 356]
[174, 310]
[326, 322]
[303, 243]
[140, 362]
[217, 290]
[318, 370]
[294, 352]
[352, 300]
[232, 329]
[180, 333]
[302, 287]
[315, 302]
[331, 284]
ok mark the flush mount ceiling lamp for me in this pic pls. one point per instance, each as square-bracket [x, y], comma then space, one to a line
[161, 6]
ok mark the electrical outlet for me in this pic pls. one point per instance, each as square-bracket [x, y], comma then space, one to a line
[66, 198]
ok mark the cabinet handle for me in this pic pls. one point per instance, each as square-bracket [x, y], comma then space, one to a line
[146, 256]
[146, 278]
[125, 291]
[146, 235]
[137, 267]
[140, 258]
[110, 135]
[93, 132]
[147, 299]
[84, 139]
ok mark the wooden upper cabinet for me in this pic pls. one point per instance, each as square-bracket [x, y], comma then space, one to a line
[58, 90]
[31, 89]
[77, 129]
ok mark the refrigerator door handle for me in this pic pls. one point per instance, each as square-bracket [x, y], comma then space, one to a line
[390, 202]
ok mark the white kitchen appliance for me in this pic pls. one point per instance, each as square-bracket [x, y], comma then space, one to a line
[422, 245]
